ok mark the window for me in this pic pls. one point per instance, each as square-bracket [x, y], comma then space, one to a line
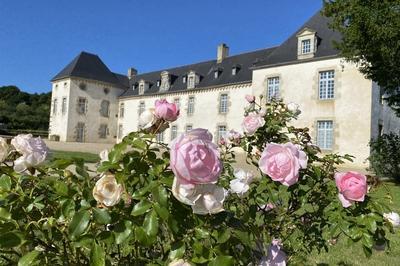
[80, 132]
[184, 79]
[188, 128]
[103, 131]
[174, 132]
[82, 86]
[190, 109]
[234, 70]
[165, 81]
[141, 107]
[177, 102]
[105, 108]
[82, 102]
[273, 88]
[54, 106]
[106, 91]
[221, 132]
[65, 84]
[326, 85]
[191, 82]
[158, 83]
[64, 105]
[121, 110]
[120, 131]
[306, 46]
[325, 134]
[216, 74]
[223, 103]
[160, 137]
[141, 88]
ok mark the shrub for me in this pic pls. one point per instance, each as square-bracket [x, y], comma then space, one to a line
[385, 156]
[150, 204]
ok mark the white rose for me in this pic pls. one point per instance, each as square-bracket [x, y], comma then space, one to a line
[293, 107]
[3, 149]
[107, 191]
[179, 262]
[34, 152]
[147, 119]
[393, 218]
[240, 185]
[203, 198]
[103, 155]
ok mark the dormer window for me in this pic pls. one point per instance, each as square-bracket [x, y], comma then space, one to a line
[192, 80]
[158, 83]
[235, 69]
[307, 41]
[217, 72]
[165, 81]
[141, 88]
[184, 79]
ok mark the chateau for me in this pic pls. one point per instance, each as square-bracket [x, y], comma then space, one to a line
[343, 110]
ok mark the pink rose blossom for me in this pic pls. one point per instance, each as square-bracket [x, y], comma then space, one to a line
[282, 162]
[352, 187]
[250, 98]
[167, 111]
[195, 158]
[252, 122]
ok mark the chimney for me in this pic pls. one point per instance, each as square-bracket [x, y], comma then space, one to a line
[132, 73]
[222, 52]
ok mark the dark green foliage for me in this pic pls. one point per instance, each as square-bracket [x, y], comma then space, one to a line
[21, 110]
[371, 38]
[385, 156]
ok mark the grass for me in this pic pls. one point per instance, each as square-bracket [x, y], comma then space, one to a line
[344, 255]
[88, 157]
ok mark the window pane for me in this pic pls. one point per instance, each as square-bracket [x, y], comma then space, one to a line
[121, 110]
[325, 134]
[273, 88]
[223, 103]
[141, 107]
[306, 46]
[191, 105]
[188, 128]
[174, 132]
[327, 84]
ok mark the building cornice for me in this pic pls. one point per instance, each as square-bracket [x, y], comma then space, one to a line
[302, 61]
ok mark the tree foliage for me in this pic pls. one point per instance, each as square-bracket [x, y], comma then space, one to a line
[21, 110]
[371, 38]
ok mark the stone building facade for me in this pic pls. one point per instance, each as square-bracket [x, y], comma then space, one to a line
[343, 110]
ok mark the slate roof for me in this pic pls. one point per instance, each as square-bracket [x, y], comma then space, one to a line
[206, 72]
[287, 52]
[90, 66]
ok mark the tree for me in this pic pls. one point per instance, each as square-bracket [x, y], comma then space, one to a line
[371, 38]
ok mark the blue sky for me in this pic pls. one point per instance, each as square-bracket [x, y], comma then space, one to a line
[38, 38]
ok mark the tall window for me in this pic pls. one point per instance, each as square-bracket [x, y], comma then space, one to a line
[141, 107]
[64, 105]
[273, 88]
[306, 46]
[80, 132]
[177, 102]
[191, 82]
[325, 134]
[327, 85]
[190, 109]
[82, 102]
[188, 128]
[174, 132]
[103, 131]
[120, 131]
[54, 106]
[223, 103]
[121, 110]
[221, 132]
[141, 88]
[160, 137]
[105, 108]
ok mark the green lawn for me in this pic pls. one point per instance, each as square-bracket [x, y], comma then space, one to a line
[88, 157]
[341, 254]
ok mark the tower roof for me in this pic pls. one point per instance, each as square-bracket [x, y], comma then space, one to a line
[90, 66]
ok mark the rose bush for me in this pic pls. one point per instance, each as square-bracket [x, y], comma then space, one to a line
[187, 204]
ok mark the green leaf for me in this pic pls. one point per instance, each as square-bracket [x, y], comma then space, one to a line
[5, 183]
[101, 216]
[201, 233]
[4, 214]
[79, 223]
[222, 261]
[150, 223]
[68, 208]
[140, 208]
[10, 240]
[97, 255]
[177, 250]
[28, 258]
[140, 235]
[122, 231]
[161, 211]
[160, 194]
[61, 188]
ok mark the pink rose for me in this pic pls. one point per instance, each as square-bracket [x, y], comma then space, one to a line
[282, 162]
[352, 187]
[167, 111]
[252, 122]
[195, 158]
[250, 98]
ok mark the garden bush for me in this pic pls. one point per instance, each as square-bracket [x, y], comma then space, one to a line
[385, 156]
[185, 204]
